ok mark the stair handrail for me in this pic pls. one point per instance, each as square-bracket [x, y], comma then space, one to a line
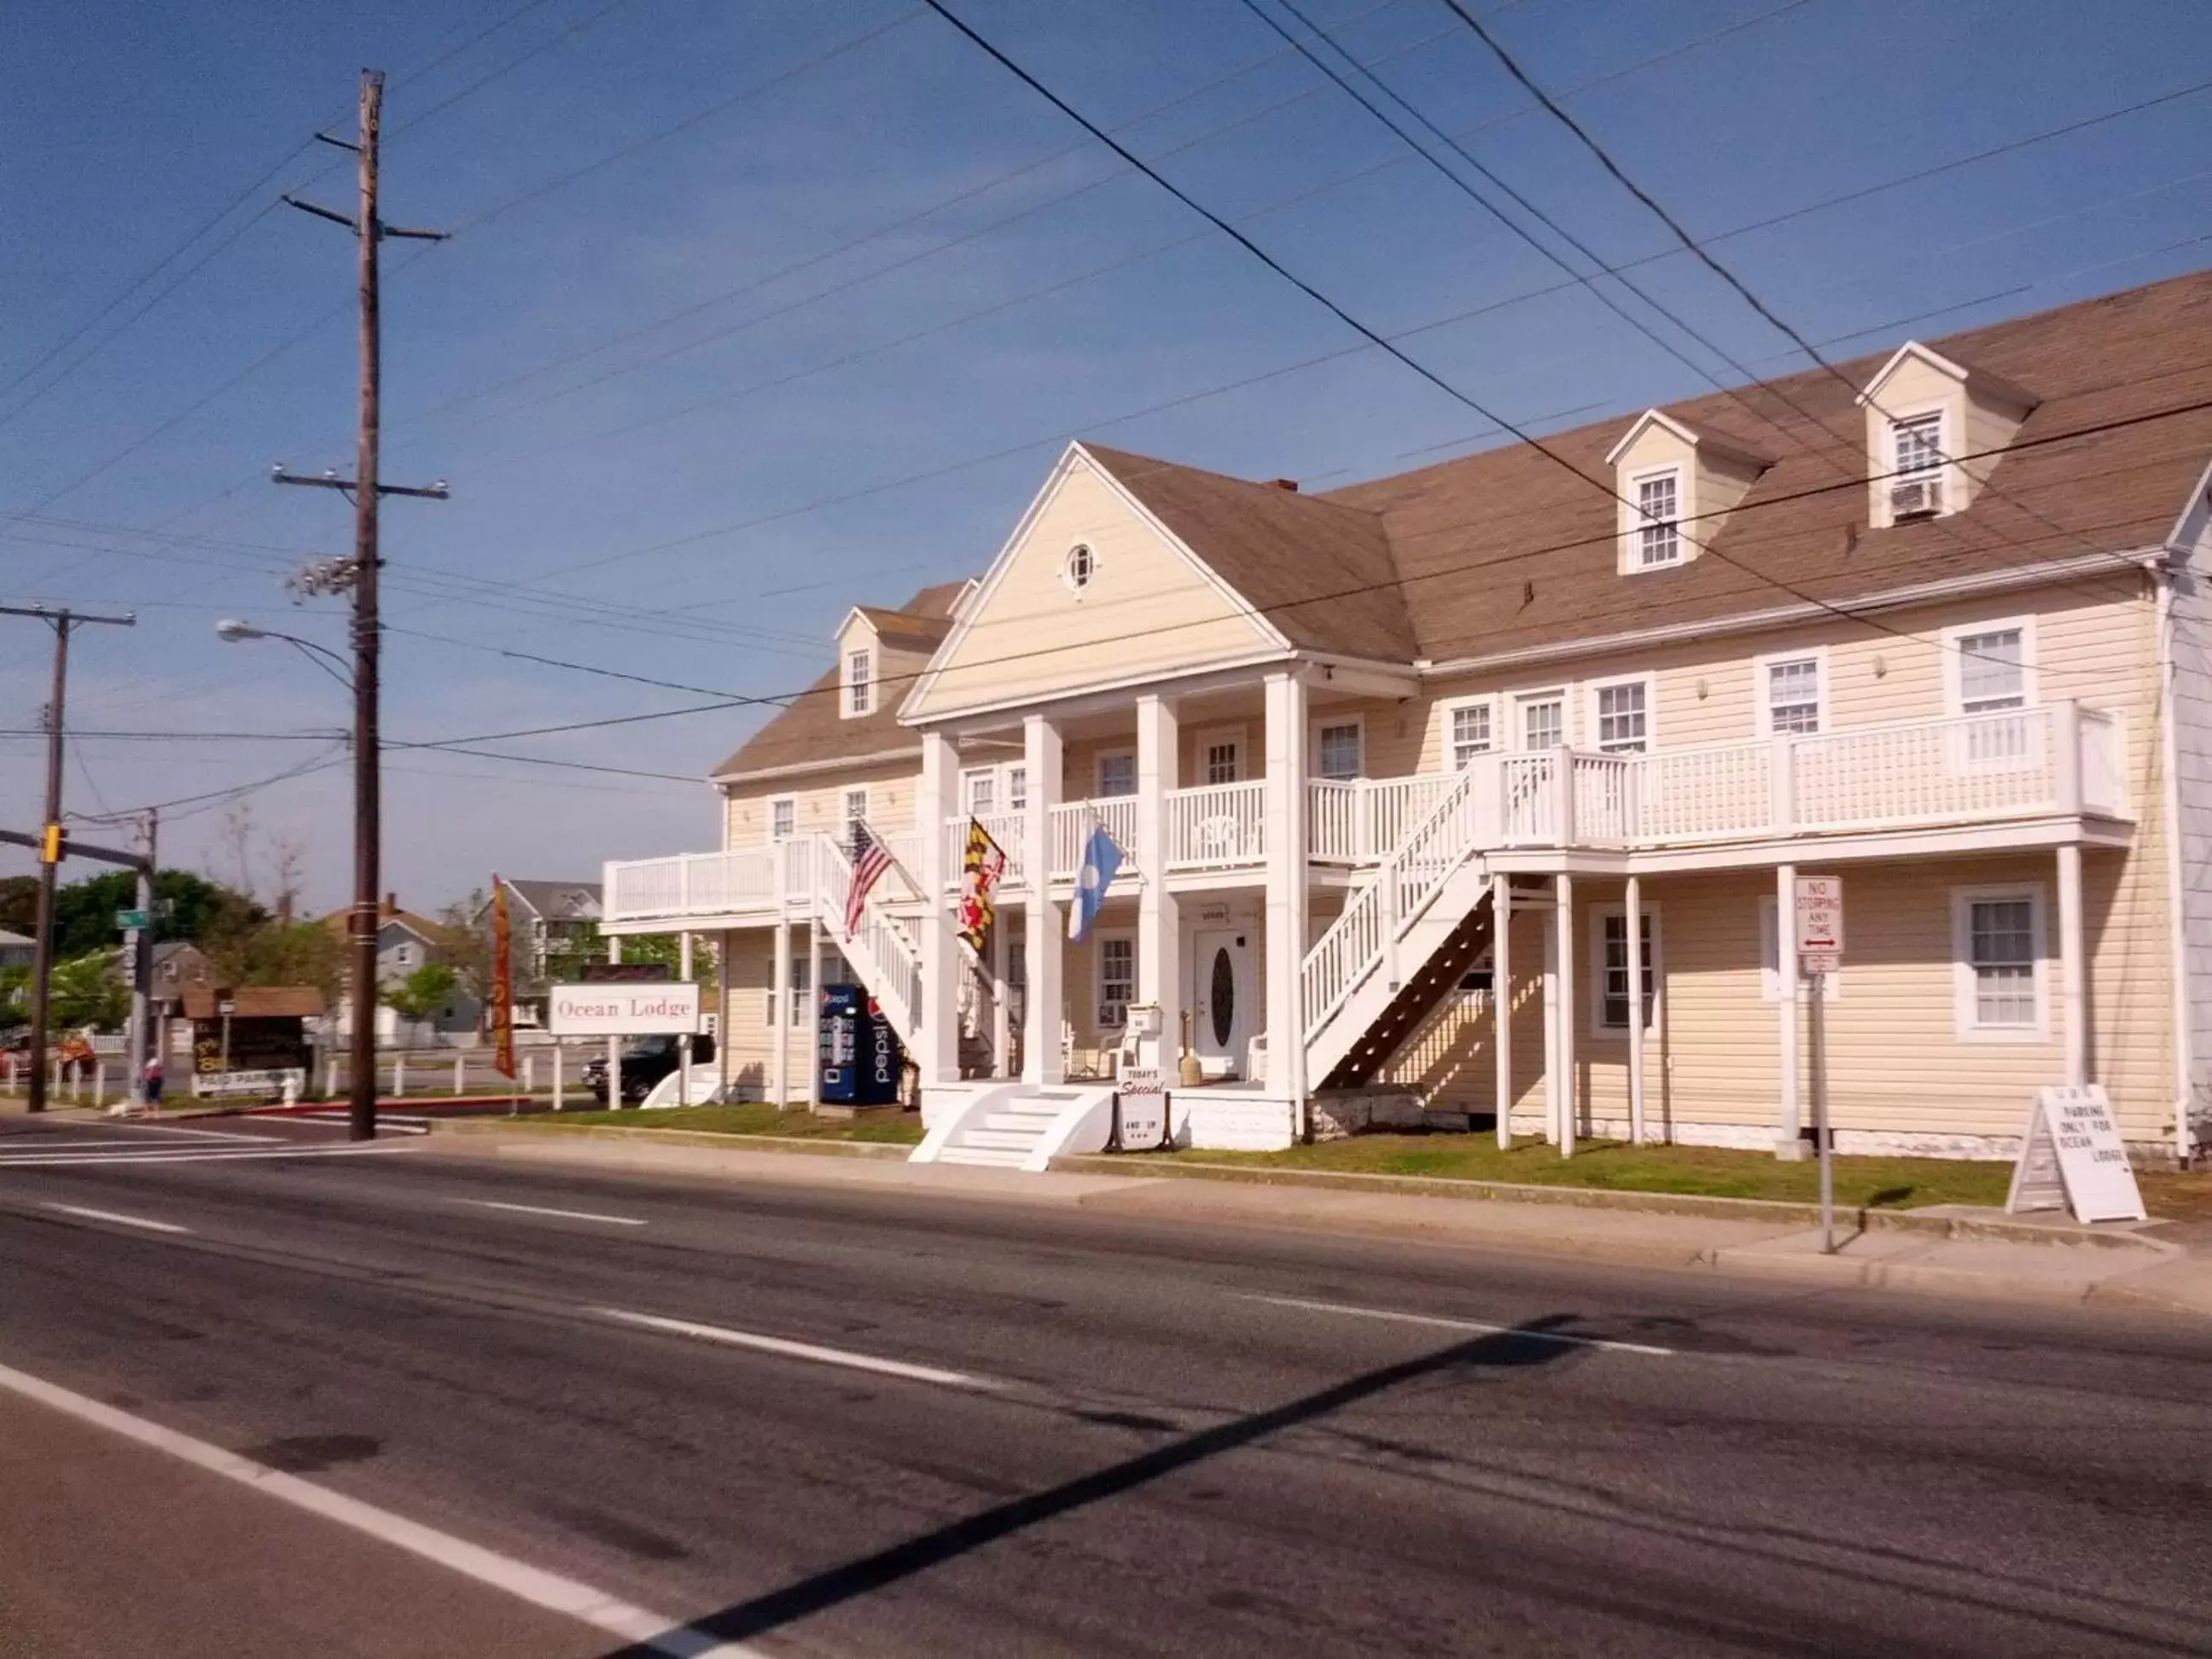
[1381, 912]
[896, 981]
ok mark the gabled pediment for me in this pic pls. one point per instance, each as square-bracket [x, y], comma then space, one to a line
[1092, 591]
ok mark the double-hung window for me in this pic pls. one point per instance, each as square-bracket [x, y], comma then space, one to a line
[856, 815]
[1117, 980]
[1793, 694]
[1624, 717]
[1997, 964]
[1336, 751]
[782, 818]
[1659, 520]
[1117, 773]
[1018, 788]
[1990, 671]
[1610, 987]
[1470, 733]
[1918, 447]
[802, 988]
[1543, 721]
[982, 792]
[859, 682]
[1222, 757]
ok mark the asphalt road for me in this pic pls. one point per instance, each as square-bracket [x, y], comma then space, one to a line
[1008, 1430]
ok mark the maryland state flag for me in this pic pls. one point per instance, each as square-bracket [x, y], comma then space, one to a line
[980, 867]
[502, 982]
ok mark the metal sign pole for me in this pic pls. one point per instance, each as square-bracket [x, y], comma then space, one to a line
[1818, 981]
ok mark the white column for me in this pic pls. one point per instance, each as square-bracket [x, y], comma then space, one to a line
[1002, 1024]
[684, 965]
[937, 1023]
[810, 1033]
[2073, 966]
[1550, 909]
[1632, 905]
[780, 1015]
[1501, 998]
[1046, 938]
[726, 954]
[1563, 924]
[1787, 1144]
[1285, 832]
[1159, 921]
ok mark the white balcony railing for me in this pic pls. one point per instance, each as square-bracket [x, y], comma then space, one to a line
[1217, 826]
[2055, 760]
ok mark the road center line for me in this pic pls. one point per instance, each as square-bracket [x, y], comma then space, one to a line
[189, 1155]
[1561, 1337]
[556, 1594]
[117, 1217]
[570, 1215]
[784, 1345]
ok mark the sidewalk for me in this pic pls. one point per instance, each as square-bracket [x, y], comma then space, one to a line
[1950, 1250]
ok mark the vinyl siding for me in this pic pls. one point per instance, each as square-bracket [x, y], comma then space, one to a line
[1150, 608]
[820, 806]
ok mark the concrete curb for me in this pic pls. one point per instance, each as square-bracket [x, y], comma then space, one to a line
[644, 1137]
[1941, 1221]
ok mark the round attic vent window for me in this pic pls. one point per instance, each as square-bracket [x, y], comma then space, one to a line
[1082, 565]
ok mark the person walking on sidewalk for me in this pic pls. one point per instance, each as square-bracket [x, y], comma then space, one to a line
[150, 1084]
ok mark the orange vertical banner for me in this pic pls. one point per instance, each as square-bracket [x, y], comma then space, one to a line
[502, 982]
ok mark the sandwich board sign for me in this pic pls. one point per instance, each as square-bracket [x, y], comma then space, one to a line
[2072, 1157]
[1141, 1120]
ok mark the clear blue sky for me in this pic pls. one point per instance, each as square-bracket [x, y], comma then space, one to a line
[869, 285]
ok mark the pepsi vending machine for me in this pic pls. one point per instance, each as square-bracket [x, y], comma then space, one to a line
[860, 1056]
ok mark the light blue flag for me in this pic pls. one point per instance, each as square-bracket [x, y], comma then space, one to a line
[1100, 859]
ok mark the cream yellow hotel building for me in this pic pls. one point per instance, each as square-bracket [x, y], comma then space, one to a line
[1475, 793]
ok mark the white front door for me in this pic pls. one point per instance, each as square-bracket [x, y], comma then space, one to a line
[1221, 999]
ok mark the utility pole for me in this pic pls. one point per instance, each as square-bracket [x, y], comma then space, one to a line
[360, 574]
[50, 830]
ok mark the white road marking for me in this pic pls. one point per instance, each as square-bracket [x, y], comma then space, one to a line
[211, 1155]
[117, 1217]
[571, 1215]
[784, 1345]
[621, 1619]
[1561, 1337]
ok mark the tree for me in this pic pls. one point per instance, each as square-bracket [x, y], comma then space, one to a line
[88, 990]
[424, 993]
[184, 907]
[585, 945]
[468, 943]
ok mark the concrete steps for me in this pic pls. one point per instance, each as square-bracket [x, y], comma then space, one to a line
[1010, 1132]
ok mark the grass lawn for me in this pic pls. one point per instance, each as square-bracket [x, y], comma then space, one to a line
[1712, 1172]
[887, 1123]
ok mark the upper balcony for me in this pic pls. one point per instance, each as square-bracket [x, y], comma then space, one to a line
[2014, 769]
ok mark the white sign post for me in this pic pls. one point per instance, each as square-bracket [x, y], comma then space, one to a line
[1819, 904]
[620, 1010]
[2072, 1157]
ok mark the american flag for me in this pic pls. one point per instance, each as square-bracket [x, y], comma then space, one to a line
[870, 860]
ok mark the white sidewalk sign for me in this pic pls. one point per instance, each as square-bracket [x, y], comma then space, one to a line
[615, 1009]
[1819, 902]
[2072, 1157]
[1143, 1095]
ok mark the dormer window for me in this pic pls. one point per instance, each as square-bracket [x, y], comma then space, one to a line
[1916, 485]
[859, 682]
[1659, 510]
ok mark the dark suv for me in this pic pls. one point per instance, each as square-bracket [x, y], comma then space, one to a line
[646, 1060]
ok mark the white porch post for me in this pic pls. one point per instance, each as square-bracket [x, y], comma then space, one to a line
[1787, 1143]
[1501, 1002]
[1633, 908]
[937, 1023]
[614, 1047]
[810, 1034]
[1285, 833]
[684, 1043]
[726, 952]
[1002, 1031]
[1563, 925]
[779, 1012]
[1045, 939]
[1159, 922]
[2073, 966]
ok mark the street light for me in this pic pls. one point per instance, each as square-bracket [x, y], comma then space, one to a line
[362, 1050]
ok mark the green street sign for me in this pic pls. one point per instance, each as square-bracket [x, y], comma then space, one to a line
[130, 921]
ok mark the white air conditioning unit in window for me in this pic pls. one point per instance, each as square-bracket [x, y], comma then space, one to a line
[1916, 498]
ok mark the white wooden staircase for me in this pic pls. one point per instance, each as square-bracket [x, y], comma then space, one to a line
[1021, 1126]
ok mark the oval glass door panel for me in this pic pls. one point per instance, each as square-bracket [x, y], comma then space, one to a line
[1223, 998]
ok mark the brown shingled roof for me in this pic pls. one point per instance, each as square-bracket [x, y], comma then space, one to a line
[1320, 570]
[810, 727]
[1505, 549]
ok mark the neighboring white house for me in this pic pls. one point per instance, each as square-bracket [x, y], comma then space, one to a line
[15, 951]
